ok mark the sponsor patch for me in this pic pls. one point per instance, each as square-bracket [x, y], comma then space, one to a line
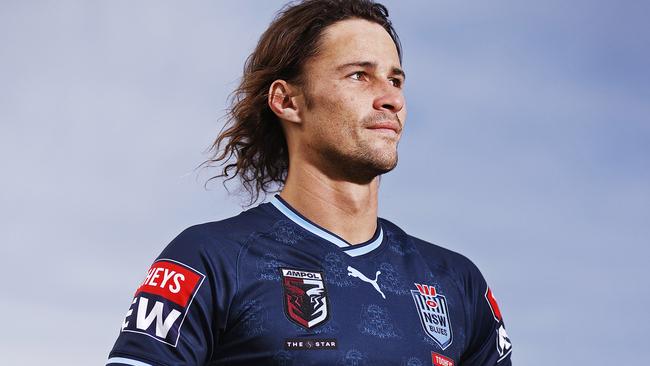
[440, 360]
[504, 347]
[161, 302]
[503, 343]
[434, 314]
[305, 297]
[309, 343]
[493, 305]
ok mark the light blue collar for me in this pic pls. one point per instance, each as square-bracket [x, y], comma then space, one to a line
[350, 249]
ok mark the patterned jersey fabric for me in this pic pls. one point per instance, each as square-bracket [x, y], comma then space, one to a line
[270, 287]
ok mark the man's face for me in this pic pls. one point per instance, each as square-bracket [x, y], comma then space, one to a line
[355, 112]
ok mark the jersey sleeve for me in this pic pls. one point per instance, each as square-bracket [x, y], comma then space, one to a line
[181, 306]
[489, 343]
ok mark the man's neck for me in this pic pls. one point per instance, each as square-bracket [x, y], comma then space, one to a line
[344, 208]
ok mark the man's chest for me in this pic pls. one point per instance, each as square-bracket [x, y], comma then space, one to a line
[336, 310]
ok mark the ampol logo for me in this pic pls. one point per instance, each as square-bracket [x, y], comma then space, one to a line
[305, 297]
[161, 302]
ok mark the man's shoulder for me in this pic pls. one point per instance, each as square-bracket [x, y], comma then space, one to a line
[223, 236]
[435, 254]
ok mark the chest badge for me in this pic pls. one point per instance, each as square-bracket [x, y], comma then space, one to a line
[305, 297]
[355, 273]
[434, 314]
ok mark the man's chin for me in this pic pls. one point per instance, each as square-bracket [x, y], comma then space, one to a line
[385, 168]
[361, 166]
[383, 160]
[365, 171]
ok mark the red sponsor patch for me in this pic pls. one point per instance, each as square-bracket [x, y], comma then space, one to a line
[493, 305]
[440, 360]
[174, 281]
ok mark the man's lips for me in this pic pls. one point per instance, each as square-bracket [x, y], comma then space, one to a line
[386, 125]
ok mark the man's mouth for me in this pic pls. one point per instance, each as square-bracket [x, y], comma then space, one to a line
[386, 126]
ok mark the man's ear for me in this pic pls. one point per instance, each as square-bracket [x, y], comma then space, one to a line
[282, 101]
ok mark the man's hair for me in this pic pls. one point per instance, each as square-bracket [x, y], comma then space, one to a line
[252, 133]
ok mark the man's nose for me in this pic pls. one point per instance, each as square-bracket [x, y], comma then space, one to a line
[390, 98]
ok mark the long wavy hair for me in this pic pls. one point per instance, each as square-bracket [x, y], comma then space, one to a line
[252, 145]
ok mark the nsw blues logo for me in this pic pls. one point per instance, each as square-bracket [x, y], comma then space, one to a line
[305, 297]
[434, 314]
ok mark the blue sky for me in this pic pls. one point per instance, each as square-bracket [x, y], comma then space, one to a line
[527, 148]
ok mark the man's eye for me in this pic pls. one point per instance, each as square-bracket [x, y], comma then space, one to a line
[396, 82]
[358, 75]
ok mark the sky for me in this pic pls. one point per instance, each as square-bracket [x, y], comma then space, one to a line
[526, 148]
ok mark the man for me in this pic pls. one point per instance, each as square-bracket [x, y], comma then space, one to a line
[314, 276]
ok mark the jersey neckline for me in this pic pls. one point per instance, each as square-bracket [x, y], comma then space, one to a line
[353, 250]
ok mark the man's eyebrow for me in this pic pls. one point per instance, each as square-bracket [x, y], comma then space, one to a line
[400, 72]
[369, 64]
[372, 65]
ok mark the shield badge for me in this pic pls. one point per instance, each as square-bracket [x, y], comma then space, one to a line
[434, 314]
[305, 297]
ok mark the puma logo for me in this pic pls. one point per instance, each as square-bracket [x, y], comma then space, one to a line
[355, 273]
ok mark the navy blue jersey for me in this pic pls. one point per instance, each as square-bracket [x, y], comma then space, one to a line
[270, 287]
